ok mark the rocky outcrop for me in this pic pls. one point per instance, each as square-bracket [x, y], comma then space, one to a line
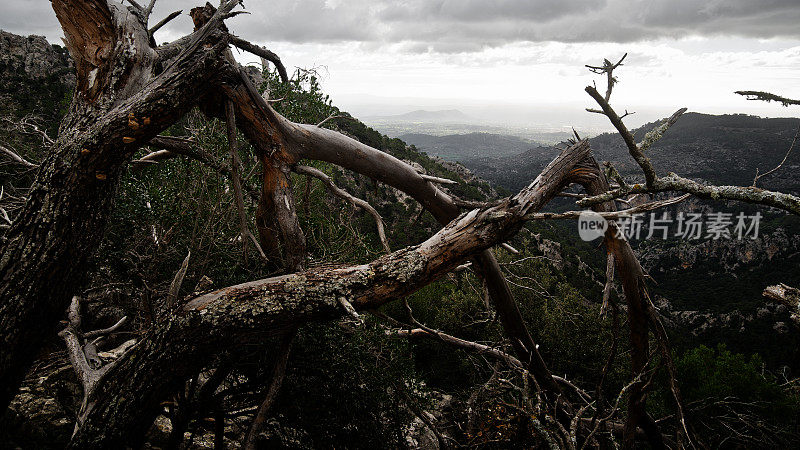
[41, 415]
[36, 78]
[729, 255]
[699, 323]
[35, 58]
[418, 435]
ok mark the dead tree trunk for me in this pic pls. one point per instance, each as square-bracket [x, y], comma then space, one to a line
[126, 95]
[272, 132]
[127, 399]
[127, 92]
[634, 288]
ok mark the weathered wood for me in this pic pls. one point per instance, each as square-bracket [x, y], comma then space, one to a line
[236, 180]
[128, 400]
[125, 97]
[276, 217]
[673, 182]
[263, 53]
[634, 288]
[278, 227]
[268, 129]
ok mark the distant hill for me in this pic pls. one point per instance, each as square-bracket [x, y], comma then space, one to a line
[721, 149]
[421, 115]
[470, 146]
[512, 172]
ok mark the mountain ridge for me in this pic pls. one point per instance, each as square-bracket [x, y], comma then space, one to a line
[721, 149]
[424, 115]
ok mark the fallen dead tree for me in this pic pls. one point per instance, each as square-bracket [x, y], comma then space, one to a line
[130, 90]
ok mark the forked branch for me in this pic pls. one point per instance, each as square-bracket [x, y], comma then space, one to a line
[82, 353]
[612, 215]
[675, 183]
[229, 316]
[627, 136]
[262, 52]
[341, 193]
[608, 69]
[14, 157]
[164, 21]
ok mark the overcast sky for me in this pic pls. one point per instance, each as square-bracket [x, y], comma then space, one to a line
[384, 57]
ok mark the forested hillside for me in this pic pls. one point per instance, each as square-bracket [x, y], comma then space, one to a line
[468, 147]
[725, 302]
[721, 149]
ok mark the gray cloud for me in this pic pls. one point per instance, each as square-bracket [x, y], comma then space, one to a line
[452, 26]
[29, 17]
[459, 11]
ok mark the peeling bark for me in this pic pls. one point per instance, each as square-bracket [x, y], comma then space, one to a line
[272, 132]
[127, 401]
[124, 99]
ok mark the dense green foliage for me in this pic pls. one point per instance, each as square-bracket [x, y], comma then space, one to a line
[727, 390]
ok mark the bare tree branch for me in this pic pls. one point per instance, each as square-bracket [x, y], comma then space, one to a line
[778, 167]
[439, 180]
[17, 159]
[149, 8]
[627, 136]
[230, 121]
[767, 97]
[609, 282]
[28, 125]
[310, 171]
[479, 349]
[334, 116]
[656, 133]
[572, 195]
[612, 215]
[634, 288]
[608, 69]
[175, 146]
[666, 355]
[508, 247]
[673, 182]
[106, 331]
[175, 286]
[84, 358]
[164, 21]
[262, 52]
[278, 371]
[472, 204]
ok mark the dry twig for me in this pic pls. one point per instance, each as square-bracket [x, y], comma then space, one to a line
[339, 192]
